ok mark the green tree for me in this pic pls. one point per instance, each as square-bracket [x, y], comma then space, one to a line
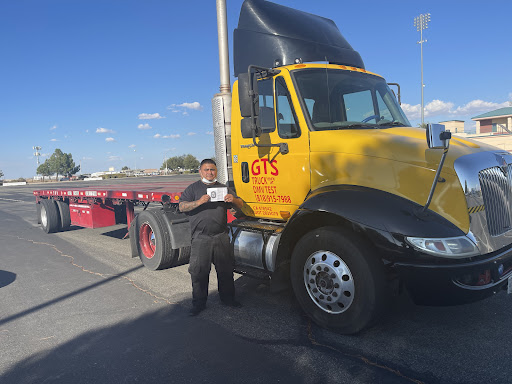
[1, 174]
[62, 163]
[44, 169]
[190, 162]
[173, 163]
[125, 168]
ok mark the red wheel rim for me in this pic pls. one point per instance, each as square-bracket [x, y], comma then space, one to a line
[147, 240]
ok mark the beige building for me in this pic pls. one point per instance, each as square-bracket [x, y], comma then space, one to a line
[454, 126]
[492, 128]
[497, 122]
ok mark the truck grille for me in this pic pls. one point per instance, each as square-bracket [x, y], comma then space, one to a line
[496, 187]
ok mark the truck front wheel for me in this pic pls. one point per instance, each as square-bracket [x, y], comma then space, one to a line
[336, 281]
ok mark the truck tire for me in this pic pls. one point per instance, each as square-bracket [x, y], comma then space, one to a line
[336, 280]
[153, 242]
[65, 217]
[49, 216]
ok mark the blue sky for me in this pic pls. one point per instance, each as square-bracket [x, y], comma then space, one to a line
[128, 82]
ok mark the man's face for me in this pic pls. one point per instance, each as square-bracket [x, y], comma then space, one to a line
[208, 171]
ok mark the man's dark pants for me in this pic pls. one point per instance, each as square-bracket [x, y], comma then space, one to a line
[205, 250]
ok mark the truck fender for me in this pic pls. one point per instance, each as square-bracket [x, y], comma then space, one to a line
[178, 227]
[378, 210]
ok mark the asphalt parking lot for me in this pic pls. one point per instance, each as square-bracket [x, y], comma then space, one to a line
[75, 307]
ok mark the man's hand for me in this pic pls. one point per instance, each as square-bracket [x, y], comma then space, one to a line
[186, 206]
[229, 198]
[203, 199]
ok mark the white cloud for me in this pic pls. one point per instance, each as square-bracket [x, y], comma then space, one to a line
[476, 106]
[144, 126]
[110, 139]
[114, 158]
[443, 108]
[171, 137]
[209, 133]
[150, 116]
[86, 131]
[191, 134]
[104, 130]
[157, 136]
[183, 107]
[53, 128]
[54, 140]
[132, 146]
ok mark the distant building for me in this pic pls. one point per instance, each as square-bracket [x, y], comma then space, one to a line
[493, 128]
[497, 122]
[454, 126]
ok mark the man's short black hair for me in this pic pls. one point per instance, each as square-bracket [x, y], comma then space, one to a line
[207, 161]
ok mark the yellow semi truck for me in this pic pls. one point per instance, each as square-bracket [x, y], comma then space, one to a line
[343, 196]
[340, 188]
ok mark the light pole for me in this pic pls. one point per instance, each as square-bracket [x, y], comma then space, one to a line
[37, 153]
[421, 23]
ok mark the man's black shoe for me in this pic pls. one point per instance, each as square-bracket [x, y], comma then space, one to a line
[196, 310]
[232, 303]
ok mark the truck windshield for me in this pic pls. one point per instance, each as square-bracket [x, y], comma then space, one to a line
[339, 99]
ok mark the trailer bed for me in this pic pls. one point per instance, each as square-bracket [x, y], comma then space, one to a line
[144, 192]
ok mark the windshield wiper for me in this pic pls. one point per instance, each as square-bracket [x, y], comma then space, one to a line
[391, 124]
[356, 125]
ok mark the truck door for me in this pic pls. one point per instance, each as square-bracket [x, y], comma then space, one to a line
[275, 184]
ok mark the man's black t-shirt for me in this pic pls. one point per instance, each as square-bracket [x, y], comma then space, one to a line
[209, 218]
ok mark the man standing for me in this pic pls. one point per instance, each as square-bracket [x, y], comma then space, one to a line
[210, 239]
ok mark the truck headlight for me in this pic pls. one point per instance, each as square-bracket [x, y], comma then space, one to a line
[452, 247]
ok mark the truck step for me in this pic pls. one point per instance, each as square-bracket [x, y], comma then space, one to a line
[257, 225]
[252, 272]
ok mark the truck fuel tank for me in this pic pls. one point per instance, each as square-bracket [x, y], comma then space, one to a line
[255, 243]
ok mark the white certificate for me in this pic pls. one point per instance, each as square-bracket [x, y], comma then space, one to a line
[217, 194]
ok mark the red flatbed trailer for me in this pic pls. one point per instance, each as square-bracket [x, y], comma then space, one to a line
[95, 207]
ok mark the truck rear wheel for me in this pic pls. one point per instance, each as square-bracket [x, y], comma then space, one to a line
[336, 281]
[49, 216]
[154, 243]
[65, 217]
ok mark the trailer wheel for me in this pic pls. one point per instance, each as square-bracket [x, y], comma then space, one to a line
[65, 217]
[153, 244]
[336, 281]
[49, 216]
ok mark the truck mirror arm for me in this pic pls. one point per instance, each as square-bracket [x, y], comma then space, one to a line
[283, 147]
[445, 136]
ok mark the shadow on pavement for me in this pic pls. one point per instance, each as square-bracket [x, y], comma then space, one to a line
[18, 315]
[165, 346]
[6, 278]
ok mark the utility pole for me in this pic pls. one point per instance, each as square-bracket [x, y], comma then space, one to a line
[421, 23]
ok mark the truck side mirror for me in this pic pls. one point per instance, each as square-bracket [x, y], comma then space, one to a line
[437, 136]
[248, 127]
[248, 95]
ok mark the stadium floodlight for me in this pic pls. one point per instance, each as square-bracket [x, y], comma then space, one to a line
[37, 153]
[421, 23]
